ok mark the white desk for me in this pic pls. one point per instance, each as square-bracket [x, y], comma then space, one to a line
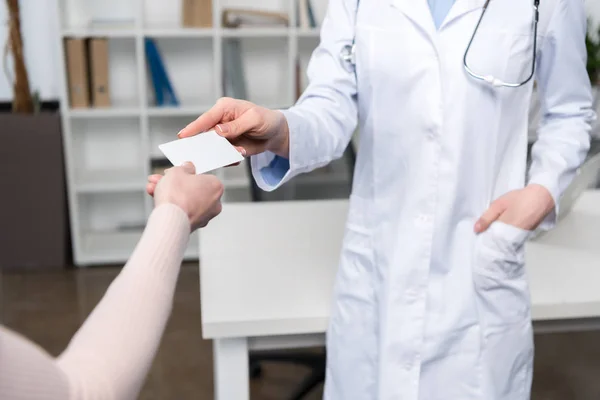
[262, 288]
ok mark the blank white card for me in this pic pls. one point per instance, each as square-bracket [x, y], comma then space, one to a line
[207, 151]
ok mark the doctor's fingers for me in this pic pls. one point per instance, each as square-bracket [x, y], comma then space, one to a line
[490, 215]
[252, 121]
[249, 147]
[226, 109]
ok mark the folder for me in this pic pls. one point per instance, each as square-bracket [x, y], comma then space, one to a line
[98, 50]
[187, 13]
[77, 71]
[163, 90]
[238, 17]
[197, 13]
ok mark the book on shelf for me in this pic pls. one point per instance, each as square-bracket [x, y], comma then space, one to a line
[196, 13]
[77, 72]
[164, 94]
[298, 79]
[306, 15]
[98, 48]
[234, 79]
[131, 227]
[87, 72]
[246, 17]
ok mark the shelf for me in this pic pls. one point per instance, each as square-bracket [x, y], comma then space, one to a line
[107, 154]
[109, 32]
[163, 129]
[308, 33]
[110, 150]
[107, 247]
[177, 31]
[109, 112]
[116, 247]
[256, 32]
[189, 63]
[181, 111]
[306, 47]
[266, 66]
[112, 212]
[110, 181]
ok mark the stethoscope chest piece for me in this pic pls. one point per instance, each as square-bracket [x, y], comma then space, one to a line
[348, 54]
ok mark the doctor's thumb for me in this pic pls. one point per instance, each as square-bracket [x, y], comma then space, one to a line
[489, 216]
[246, 122]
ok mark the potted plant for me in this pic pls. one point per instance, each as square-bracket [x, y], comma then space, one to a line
[33, 232]
[593, 50]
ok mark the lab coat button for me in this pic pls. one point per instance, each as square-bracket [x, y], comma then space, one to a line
[423, 220]
[411, 295]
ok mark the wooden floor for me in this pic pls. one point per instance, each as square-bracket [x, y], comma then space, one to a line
[49, 307]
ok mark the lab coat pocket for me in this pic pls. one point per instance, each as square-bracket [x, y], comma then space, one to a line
[500, 279]
[351, 339]
[503, 301]
[508, 360]
[357, 248]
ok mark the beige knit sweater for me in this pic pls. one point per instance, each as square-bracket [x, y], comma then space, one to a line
[109, 357]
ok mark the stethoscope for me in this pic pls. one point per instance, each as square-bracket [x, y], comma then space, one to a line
[490, 78]
[348, 56]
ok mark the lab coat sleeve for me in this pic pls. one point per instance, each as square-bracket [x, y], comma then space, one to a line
[566, 100]
[322, 121]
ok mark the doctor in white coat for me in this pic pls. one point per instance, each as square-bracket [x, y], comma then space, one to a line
[431, 298]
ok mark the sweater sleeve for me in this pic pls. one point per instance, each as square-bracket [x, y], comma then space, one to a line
[110, 355]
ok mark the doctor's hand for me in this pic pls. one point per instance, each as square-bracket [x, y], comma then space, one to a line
[524, 208]
[198, 195]
[252, 129]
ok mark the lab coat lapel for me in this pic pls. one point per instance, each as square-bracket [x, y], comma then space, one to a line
[461, 8]
[417, 11]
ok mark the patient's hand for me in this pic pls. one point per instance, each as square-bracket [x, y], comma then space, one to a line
[198, 195]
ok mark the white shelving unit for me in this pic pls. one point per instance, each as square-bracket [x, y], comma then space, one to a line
[109, 150]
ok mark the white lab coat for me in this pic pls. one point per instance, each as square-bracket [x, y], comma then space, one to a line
[423, 308]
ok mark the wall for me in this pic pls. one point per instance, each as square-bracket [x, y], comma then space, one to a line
[40, 30]
[593, 7]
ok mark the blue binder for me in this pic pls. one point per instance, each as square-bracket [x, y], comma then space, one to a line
[311, 16]
[163, 91]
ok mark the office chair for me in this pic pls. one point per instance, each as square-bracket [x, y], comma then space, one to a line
[315, 361]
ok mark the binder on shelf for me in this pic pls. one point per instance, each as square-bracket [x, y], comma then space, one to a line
[77, 72]
[196, 13]
[241, 17]
[311, 15]
[98, 51]
[234, 80]
[298, 82]
[306, 15]
[163, 90]
[234, 85]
